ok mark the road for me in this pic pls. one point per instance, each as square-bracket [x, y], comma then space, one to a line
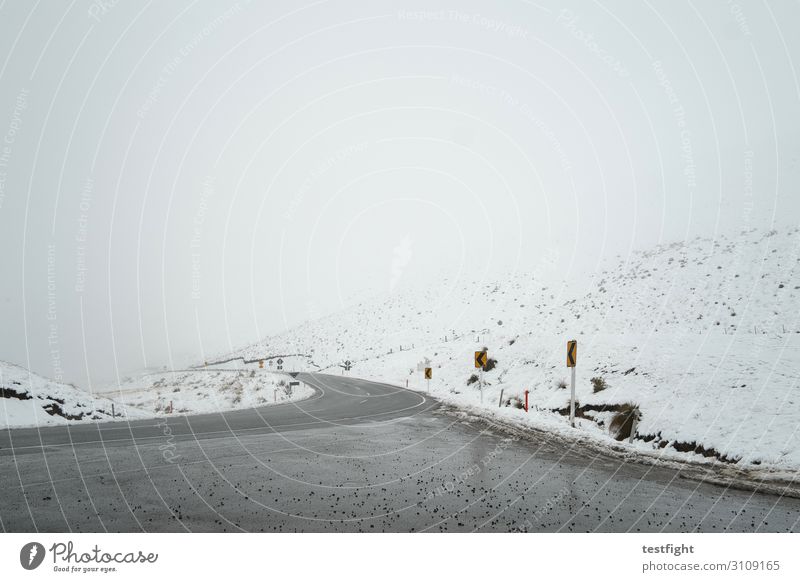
[358, 456]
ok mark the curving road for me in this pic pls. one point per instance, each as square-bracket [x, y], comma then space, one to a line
[358, 456]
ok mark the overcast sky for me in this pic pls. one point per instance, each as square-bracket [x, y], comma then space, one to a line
[180, 177]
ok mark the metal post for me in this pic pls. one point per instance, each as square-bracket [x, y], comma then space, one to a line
[113, 412]
[481, 385]
[572, 400]
[500, 403]
[429, 386]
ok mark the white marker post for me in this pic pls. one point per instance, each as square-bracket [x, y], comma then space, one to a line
[572, 400]
[634, 425]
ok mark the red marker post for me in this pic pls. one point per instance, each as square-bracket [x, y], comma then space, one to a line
[526, 401]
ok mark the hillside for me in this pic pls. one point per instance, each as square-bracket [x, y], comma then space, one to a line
[27, 399]
[700, 336]
[213, 389]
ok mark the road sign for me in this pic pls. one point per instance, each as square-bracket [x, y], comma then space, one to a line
[572, 353]
[428, 373]
[261, 363]
[480, 362]
[572, 360]
[280, 361]
[270, 363]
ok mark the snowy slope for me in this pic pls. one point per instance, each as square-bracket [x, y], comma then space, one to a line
[207, 390]
[27, 399]
[703, 336]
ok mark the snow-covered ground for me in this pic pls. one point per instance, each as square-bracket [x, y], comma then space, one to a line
[207, 390]
[27, 399]
[31, 400]
[702, 336]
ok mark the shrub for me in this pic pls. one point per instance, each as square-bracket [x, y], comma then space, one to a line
[515, 402]
[561, 384]
[490, 364]
[472, 379]
[598, 384]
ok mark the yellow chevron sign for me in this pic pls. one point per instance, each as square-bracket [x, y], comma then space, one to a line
[480, 359]
[572, 353]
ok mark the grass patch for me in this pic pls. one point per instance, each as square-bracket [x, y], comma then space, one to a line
[598, 384]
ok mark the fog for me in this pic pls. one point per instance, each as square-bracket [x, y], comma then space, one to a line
[180, 178]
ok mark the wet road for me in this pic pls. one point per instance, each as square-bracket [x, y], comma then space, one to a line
[358, 456]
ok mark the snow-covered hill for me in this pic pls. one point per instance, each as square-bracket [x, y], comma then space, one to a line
[702, 337]
[207, 390]
[27, 399]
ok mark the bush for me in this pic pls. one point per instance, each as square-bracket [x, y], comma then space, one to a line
[515, 402]
[598, 384]
[561, 384]
[490, 364]
[472, 379]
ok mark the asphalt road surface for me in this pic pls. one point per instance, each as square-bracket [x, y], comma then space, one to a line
[358, 456]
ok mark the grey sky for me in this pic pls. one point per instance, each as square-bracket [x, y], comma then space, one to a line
[177, 178]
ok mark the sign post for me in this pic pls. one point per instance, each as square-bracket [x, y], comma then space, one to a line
[428, 376]
[572, 360]
[480, 362]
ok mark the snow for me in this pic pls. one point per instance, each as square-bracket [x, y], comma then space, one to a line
[30, 400]
[148, 396]
[211, 389]
[703, 336]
